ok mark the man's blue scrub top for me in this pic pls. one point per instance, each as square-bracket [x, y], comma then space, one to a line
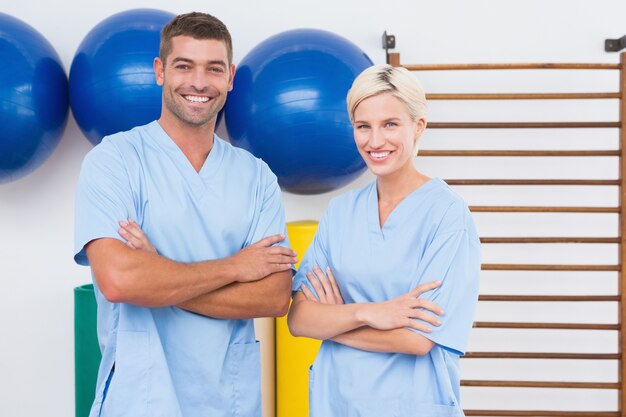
[429, 236]
[170, 362]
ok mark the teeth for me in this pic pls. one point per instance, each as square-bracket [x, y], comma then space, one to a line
[196, 99]
[379, 154]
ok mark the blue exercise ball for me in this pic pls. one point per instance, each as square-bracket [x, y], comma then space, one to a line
[288, 107]
[33, 99]
[112, 82]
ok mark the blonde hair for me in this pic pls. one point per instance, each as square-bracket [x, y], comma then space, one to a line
[397, 81]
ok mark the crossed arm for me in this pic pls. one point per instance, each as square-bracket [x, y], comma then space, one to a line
[254, 282]
[376, 327]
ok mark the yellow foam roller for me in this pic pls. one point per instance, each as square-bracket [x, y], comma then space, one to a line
[294, 355]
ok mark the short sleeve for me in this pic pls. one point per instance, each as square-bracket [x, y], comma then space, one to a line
[271, 218]
[103, 198]
[454, 258]
[316, 255]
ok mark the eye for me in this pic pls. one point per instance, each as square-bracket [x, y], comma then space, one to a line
[218, 70]
[391, 124]
[182, 67]
[361, 126]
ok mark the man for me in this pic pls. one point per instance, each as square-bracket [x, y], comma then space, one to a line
[175, 328]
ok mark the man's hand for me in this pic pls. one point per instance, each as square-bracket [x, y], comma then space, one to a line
[261, 259]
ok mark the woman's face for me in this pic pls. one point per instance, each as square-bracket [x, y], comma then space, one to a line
[385, 134]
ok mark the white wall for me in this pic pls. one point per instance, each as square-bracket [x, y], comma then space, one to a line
[37, 273]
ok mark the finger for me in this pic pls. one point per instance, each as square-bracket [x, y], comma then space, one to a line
[130, 245]
[318, 287]
[428, 305]
[323, 279]
[428, 318]
[134, 229]
[308, 293]
[269, 240]
[333, 283]
[418, 326]
[134, 232]
[421, 289]
[281, 250]
[282, 259]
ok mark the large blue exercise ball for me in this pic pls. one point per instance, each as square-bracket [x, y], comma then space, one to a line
[112, 82]
[288, 107]
[33, 99]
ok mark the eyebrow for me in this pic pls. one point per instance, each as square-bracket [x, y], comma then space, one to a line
[384, 121]
[191, 61]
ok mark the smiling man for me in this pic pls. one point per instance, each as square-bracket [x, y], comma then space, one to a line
[174, 323]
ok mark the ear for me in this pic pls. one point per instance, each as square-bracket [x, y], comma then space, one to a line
[158, 71]
[232, 77]
[420, 126]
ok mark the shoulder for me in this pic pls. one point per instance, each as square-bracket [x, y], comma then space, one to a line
[347, 203]
[119, 145]
[244, 161]
[454, 214]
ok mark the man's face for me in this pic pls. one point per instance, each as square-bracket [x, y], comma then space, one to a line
[196, 77]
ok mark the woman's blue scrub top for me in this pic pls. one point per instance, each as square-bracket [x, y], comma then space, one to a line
[170, 362]
[429, 236]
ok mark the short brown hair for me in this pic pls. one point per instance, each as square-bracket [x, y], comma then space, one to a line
[198, 26]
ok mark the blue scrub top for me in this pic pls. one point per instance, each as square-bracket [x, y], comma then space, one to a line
[170, 362]
[429, 236]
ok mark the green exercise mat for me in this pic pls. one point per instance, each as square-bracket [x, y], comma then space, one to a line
[86, 349]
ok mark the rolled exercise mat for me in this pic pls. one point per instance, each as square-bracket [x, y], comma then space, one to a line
[294, 355]
[86, 349]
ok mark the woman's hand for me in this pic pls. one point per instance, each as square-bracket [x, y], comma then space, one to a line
[400, 311]
[325, 285]
[135, 237]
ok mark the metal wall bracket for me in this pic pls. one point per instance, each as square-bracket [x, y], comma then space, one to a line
[615, 45]
[389, 42]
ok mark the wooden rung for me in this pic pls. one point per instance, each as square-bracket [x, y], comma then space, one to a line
[549, 298]
[532, 182]
[452, 67]
[541, 384]
[534, 153]
[562, 326]
[526, 96]
[541, 355]
[488, 240]
[521, 125]
[541, 413]
[542, 209]
[544, 267]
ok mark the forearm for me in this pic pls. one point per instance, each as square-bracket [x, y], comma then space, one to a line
[147, 279]
[322, 321]
[268, 297]
[394, 341]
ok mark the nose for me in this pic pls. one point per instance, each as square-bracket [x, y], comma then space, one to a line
[199, 80]
[377, 139]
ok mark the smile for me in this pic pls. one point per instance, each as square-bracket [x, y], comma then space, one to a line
[196, 99]
[379, 155]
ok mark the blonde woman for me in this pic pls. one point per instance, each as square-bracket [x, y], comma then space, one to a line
[390, 282]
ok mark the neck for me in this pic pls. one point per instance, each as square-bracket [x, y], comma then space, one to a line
[195, 142]
[393, 188]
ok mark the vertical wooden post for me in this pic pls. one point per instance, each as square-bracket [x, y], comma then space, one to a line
[393, 59]
[622, 230]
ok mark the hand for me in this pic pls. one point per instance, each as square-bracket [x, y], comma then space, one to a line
[400, 311]
[325, 285]
[135, 237]
[261, 259]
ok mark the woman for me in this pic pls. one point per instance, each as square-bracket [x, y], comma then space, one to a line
[386, 262]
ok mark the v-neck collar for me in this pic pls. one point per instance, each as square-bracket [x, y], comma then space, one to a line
[399, 213]
[197, 180]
